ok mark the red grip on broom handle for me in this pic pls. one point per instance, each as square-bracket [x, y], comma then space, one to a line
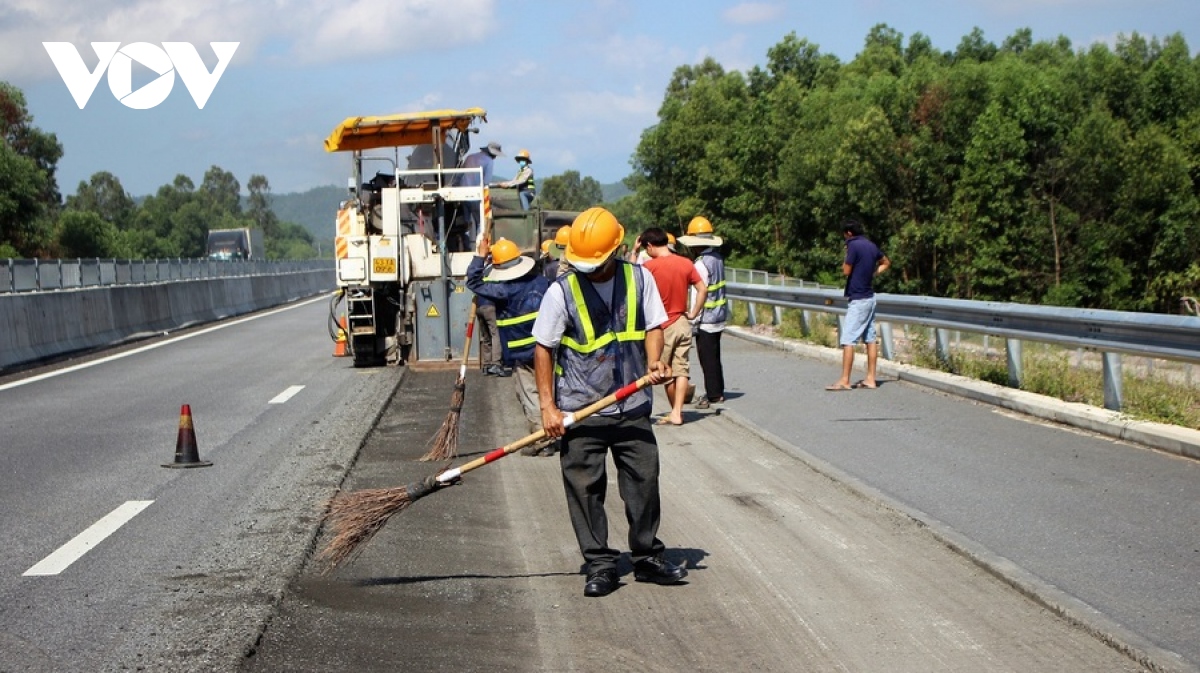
[496, 454]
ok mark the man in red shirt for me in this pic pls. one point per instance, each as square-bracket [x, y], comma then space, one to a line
[673, 275]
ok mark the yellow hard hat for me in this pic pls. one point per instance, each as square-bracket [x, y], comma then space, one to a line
[670, 238]
[595, 236]
[562, 235]
[504, 251]
[524, 154]
[546, 246]
[699, 225]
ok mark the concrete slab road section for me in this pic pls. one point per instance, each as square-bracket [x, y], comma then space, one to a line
[789, 570]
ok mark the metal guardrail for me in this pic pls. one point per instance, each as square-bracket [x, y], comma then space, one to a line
[41, 275]
[1112, 333]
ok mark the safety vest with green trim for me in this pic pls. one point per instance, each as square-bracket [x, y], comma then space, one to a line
[529, 183]
[716, 309]
[515, 317]
[602, 349]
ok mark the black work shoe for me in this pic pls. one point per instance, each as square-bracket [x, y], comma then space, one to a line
[659, 571]
[501, 370]
[600, 583]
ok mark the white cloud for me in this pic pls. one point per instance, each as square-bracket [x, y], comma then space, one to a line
[310, 31]
[753, 12]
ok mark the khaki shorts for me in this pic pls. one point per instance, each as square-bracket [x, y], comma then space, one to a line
[677, 345]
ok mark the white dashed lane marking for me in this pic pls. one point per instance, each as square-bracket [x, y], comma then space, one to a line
[286, 395]
[64, 556]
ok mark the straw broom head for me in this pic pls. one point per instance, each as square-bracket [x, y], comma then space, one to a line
[445, 442]
[355, 517]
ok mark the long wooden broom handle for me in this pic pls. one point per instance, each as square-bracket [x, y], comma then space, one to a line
[462, 370]
[568, 420]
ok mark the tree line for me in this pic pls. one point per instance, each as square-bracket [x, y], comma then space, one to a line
[103, 220]
[1030, 172]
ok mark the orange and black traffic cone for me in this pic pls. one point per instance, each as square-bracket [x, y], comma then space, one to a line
[186, 453]
[339, 346]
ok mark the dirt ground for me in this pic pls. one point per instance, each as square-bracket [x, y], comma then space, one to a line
[789, 570]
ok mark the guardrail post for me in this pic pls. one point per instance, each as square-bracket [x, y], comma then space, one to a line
[805, 323]
[885, 336]
[941, 345]
[751, 316]
[1016, 370]
[1112, 381]
[12, 282]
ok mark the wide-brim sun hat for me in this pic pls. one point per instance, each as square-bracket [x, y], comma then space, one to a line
[494, 148]
[702, 241]
[510, 270]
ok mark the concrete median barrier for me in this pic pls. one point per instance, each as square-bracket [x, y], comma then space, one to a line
[40, 325]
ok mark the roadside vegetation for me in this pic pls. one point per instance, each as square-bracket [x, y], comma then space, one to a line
[1037, 172]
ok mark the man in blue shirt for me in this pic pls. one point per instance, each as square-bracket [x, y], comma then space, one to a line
[864, 260]
[483, 159]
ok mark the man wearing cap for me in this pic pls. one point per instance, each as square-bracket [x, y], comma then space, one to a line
[483, 159]
[599, 328]
[515, 289]
[711, 267]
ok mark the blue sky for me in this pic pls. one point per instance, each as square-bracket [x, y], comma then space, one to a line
[574, 82]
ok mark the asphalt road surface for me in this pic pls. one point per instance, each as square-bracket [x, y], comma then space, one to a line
[790, 570]
[195, 559]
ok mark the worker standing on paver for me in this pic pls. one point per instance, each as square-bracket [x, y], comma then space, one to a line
[515, 288]
[523, 180]
[599, 328]
[711, 267]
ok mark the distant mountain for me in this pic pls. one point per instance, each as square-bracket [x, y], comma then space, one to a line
[315, 209]
[613, 192]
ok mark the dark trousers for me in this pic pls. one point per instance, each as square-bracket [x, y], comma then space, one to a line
[584, 459]
[489, 334]
[708, 350]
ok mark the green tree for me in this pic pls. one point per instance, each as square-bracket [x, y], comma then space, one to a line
[260, 206]
[86, 234]
[29, 195]
[104, 196]
[569, 192]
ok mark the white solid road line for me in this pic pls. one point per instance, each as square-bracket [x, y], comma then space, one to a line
[286, 395]
[160, 344]
[71, 552]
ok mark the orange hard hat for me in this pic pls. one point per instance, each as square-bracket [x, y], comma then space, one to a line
[699, 225]
[595, 236]
[562, 236]
[504, 251]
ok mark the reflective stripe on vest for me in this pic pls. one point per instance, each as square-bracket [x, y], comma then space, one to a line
[715, 308]
[594, 359]
[514, 344]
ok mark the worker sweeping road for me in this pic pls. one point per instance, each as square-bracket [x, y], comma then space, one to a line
[513, 284]
[599, 327]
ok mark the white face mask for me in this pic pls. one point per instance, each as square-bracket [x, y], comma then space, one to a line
[586, 267]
